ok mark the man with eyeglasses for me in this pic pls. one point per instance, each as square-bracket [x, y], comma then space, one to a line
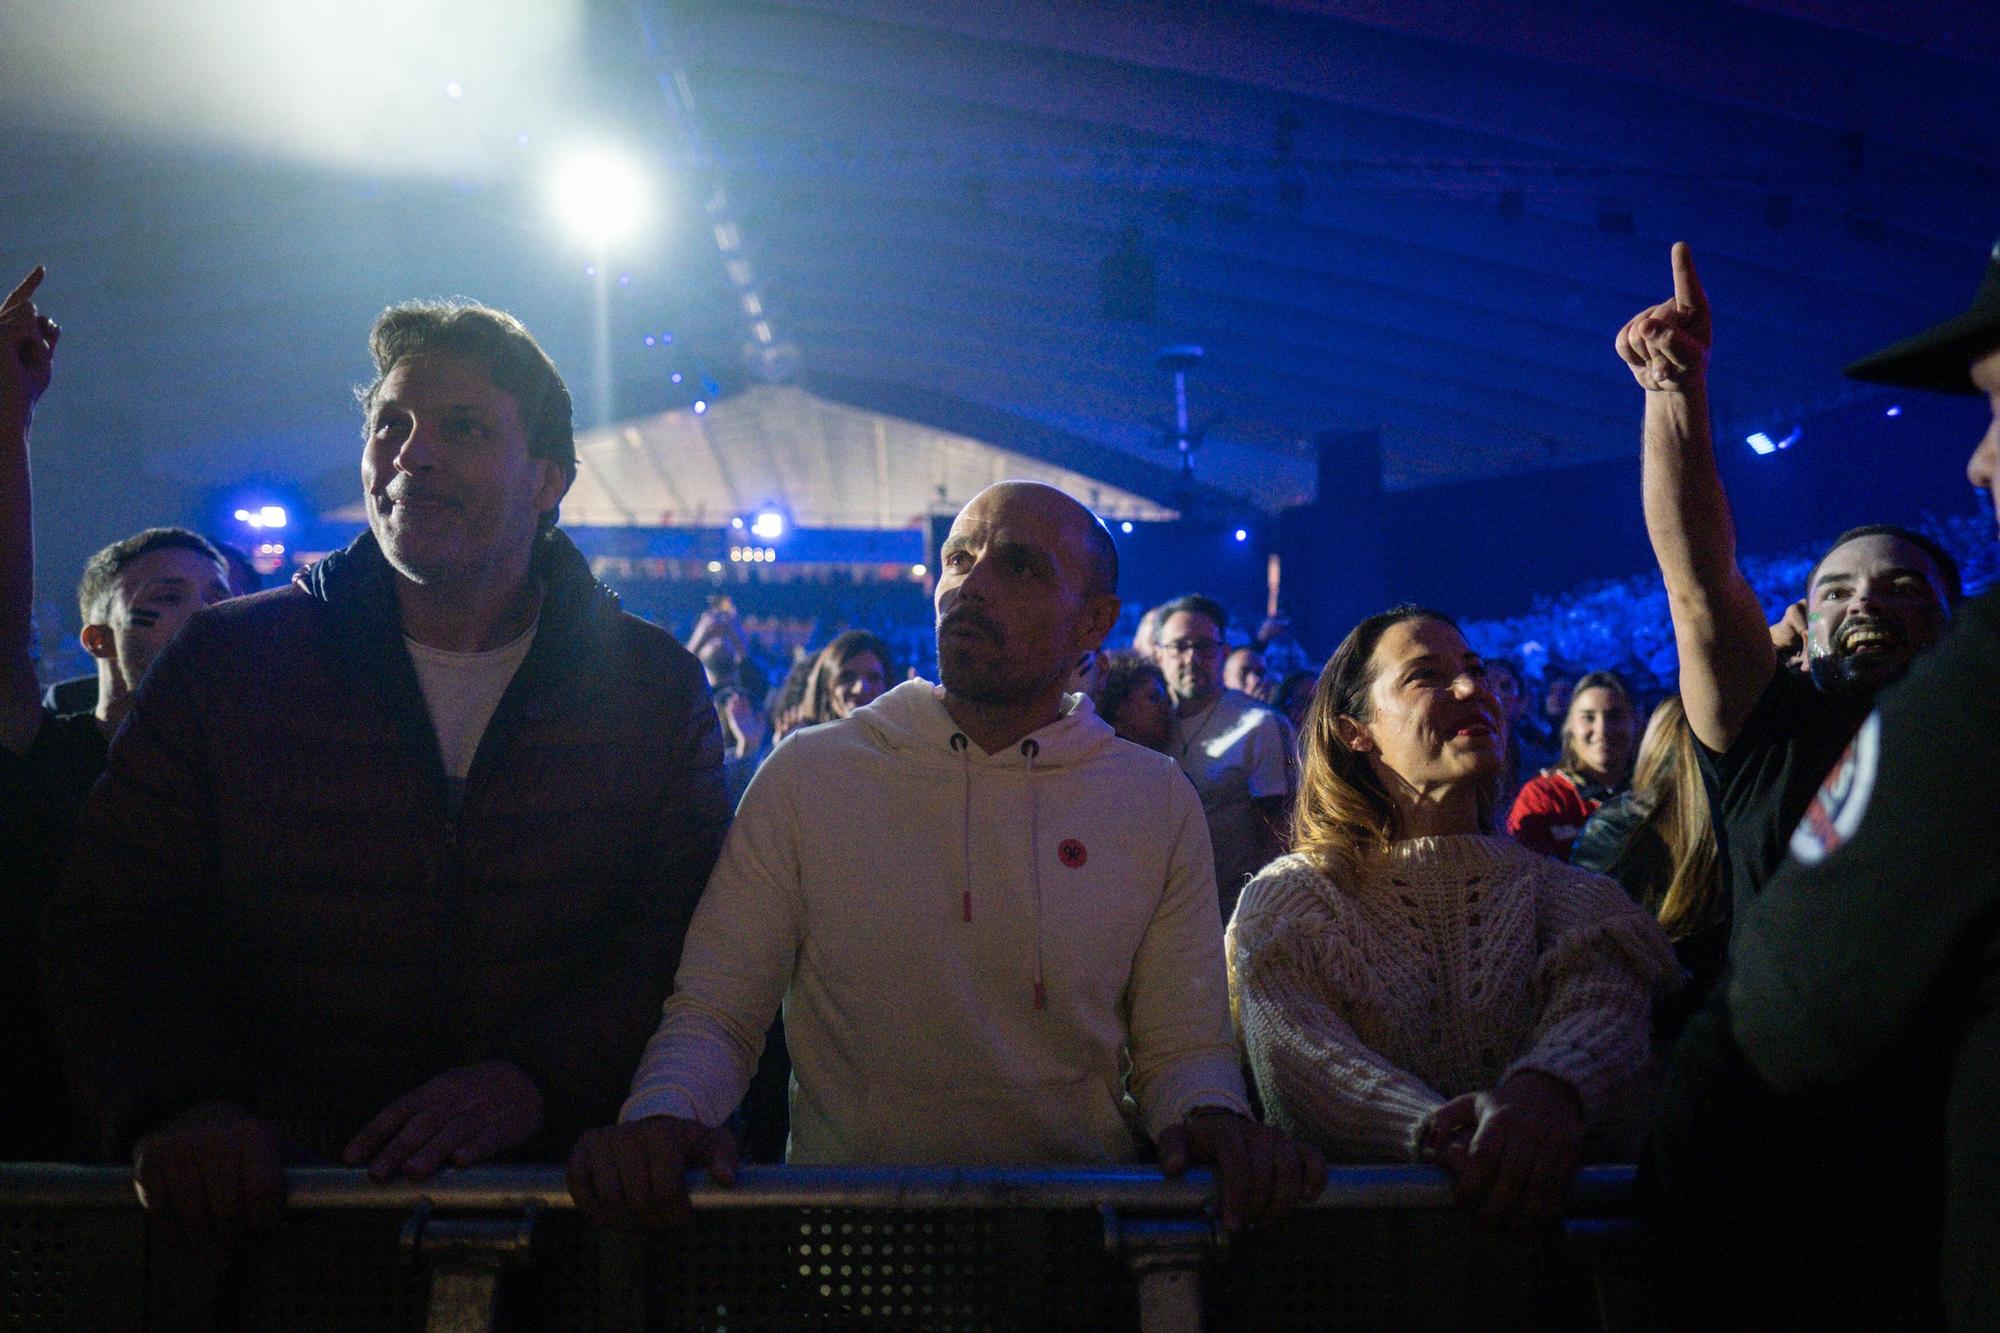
[1237, 752]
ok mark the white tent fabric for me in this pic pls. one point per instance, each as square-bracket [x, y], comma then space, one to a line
[825, 464]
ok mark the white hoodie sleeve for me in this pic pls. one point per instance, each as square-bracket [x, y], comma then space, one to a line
[736, 965]
[1182, 1047]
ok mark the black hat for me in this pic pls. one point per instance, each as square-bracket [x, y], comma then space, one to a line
[1941, 358]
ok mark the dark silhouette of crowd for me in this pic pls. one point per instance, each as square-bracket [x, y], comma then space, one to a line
[438, 855]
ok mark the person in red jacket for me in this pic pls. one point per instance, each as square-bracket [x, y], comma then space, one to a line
[1596, 765]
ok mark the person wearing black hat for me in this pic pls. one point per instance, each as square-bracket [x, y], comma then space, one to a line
[1830, 1119]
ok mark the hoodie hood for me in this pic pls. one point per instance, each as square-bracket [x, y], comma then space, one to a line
[911, 722]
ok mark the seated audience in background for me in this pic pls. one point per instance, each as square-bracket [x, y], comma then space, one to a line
[1065, 1000]
[1280, 648]
[852, 671]
[1237, 752]
[1243, 671]
[1539, 728]
[1411, 987]
[1504, 678]
[1294, 696]
[391, 865]
[1800, 1151]
[1146, 637]
[1594, 766]
[1878, 597]
[1133, 699]
[1656, 841]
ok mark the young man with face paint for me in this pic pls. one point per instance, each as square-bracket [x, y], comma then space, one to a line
[1877, 598]
[1825, 1142]
[390, 866]
[134, 597]
[991, 923]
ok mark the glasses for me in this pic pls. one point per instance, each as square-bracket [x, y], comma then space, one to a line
[1190, 647]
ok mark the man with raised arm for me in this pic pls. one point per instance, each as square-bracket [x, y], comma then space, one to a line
[992, 923]
[1878, 597]
[1818, 1105]
[391, 866]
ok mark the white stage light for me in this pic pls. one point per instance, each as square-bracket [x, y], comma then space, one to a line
[769, 525]
[600, 196]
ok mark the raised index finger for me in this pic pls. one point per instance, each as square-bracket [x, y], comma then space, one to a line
[24, 292]
[1688, 294]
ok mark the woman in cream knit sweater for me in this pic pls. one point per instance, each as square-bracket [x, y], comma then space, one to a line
[1411, 987]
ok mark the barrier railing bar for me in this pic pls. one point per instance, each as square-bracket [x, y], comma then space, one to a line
[1598, 1190]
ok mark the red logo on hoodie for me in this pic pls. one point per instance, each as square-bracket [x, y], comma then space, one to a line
[1072, 854]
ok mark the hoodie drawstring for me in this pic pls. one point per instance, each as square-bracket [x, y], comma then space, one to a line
[962, 744]
[1029, 749]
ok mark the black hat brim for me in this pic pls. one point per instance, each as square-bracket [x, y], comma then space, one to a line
[1940, 358]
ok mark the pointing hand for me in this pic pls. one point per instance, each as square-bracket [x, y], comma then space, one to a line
[1666, 346]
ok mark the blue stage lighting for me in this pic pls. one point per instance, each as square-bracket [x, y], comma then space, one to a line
[1893, 412]
[1126, 526]
[1242, 534]
[1761, 443]
[768, 525]
[263, 517]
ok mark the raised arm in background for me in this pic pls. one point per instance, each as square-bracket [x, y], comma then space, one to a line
[1726, 653]
[27, 357]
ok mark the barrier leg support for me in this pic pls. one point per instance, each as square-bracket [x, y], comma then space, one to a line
[465, 1256]
[1166, 1256]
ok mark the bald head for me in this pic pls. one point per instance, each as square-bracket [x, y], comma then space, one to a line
[1026, 584]
[1071, 517]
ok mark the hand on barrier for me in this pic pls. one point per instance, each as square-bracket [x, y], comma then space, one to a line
[462, 1116]
[1513, 1151]
[210, 1174]
[1264, 1172]
[634, 1176]
[1666, 346]
[27, 349]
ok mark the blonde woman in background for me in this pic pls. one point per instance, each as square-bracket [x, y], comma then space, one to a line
[1657, 841]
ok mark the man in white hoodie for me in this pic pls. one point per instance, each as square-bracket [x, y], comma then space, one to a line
[976, 904]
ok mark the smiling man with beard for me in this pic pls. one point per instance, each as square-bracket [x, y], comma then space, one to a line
[391, 866]
[992, 924]
[1877, 598]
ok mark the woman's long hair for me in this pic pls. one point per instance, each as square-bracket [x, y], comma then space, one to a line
[1668, 782]
[1569, 763]
[1343, 814]
[841, 650]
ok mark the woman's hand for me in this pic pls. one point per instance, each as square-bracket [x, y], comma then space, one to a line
[1512, 1151]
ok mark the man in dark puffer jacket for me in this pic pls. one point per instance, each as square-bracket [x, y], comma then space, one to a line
[392, 866]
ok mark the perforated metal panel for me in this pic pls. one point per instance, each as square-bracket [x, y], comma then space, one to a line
[1396, 1271]
[326, 1273]
[842, 1268]
[72, 1269]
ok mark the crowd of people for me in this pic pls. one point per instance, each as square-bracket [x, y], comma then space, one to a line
[436, 855]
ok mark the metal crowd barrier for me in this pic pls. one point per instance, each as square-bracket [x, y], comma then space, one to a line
[834, 1248]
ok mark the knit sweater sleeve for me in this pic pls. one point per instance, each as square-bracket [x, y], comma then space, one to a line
[1297, 975]
[1601, 960]
[742, 949]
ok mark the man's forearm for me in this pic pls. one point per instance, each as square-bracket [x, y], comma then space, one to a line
[1687, 511]
[20, 712]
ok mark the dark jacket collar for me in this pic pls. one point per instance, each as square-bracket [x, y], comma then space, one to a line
[575, 639]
